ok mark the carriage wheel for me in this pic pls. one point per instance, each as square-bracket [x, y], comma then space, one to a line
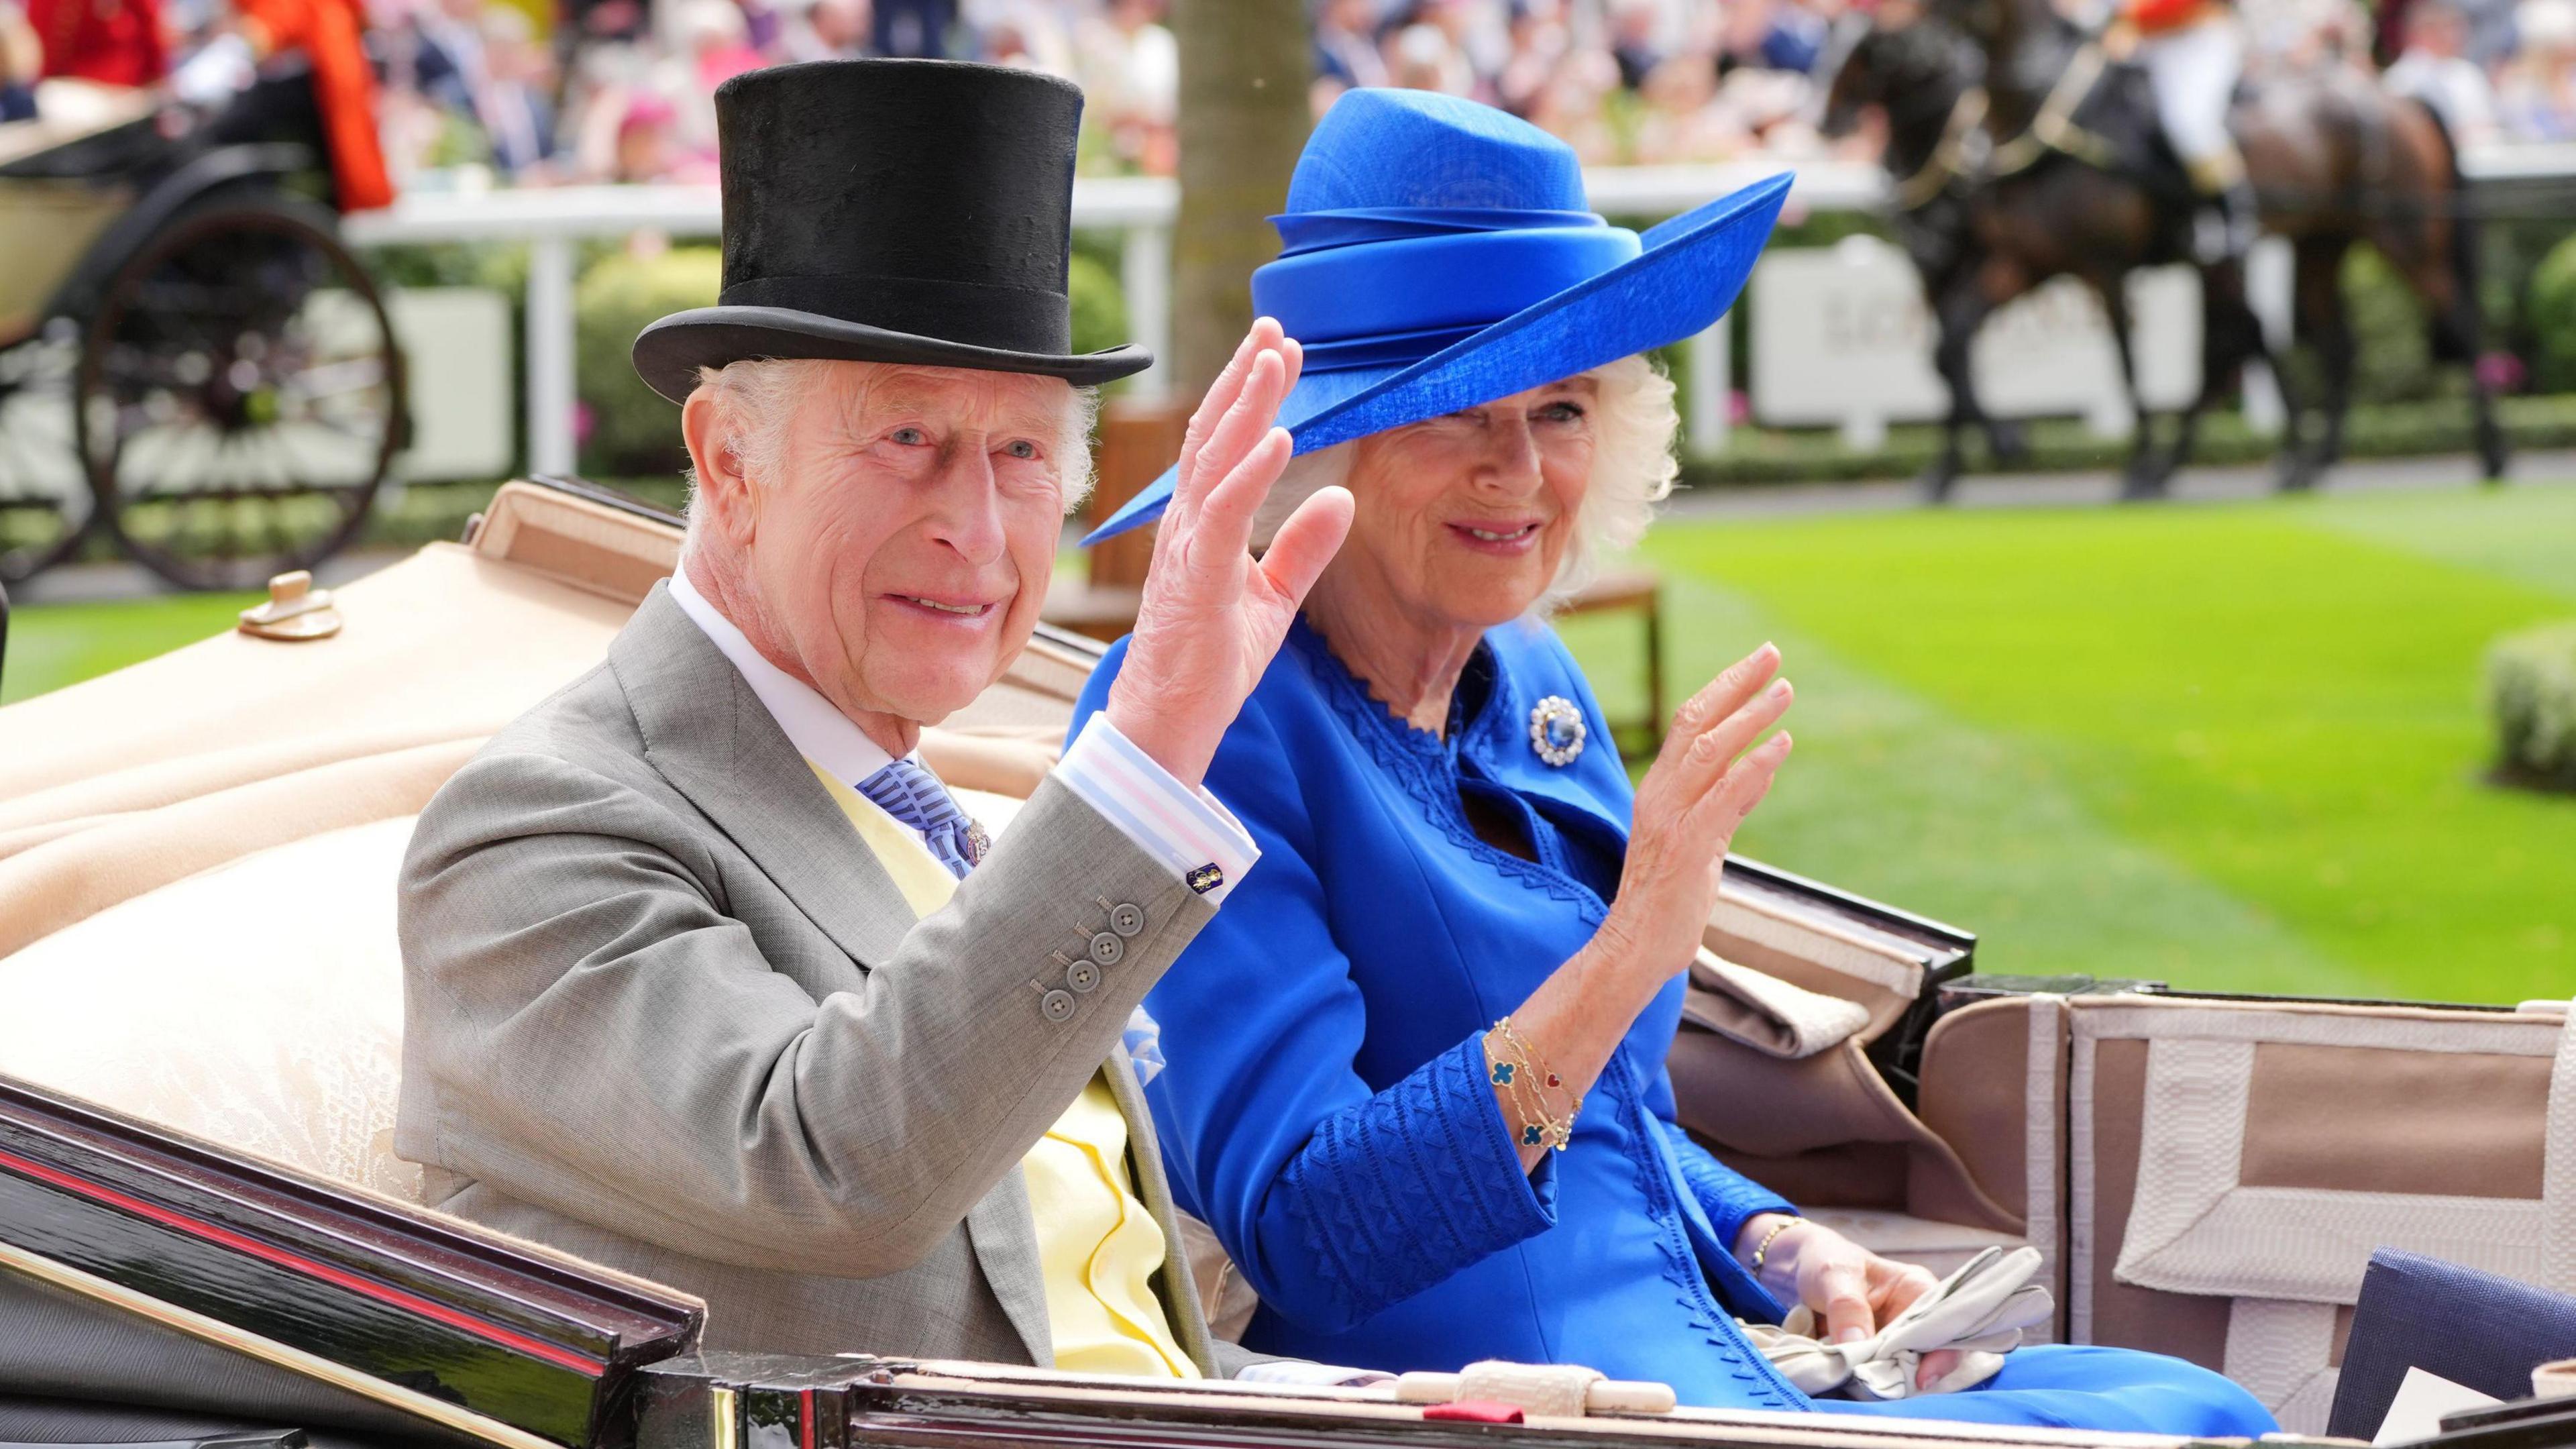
[45, 501]
[242, 396]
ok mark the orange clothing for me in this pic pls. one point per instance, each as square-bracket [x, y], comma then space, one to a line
[113, 42]
[344, 87]
[2152, 16]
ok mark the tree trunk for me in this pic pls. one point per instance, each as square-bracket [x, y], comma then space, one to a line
[1245, 69]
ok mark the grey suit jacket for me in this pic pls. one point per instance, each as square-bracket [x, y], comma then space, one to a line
[665, 1010]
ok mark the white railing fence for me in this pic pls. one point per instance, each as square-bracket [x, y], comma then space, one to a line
[550, 221]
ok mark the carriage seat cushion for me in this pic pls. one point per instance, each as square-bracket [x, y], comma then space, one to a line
[257, 1005]
[2479, 1330]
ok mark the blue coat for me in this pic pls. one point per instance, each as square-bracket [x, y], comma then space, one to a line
[1323, 1105]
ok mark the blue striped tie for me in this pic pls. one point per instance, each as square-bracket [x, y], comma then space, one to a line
[914, 796]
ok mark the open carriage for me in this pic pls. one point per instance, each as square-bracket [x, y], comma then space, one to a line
[190, 360]
[203, 1229]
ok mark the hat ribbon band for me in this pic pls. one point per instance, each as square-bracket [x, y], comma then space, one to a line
[1314, 231]
[1399, 301]
[1010, 319]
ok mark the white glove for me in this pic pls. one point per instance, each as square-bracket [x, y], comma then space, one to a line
[1979, 1310]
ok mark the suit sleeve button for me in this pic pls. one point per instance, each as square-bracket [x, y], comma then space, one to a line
[1057, 1005]
[1127, 919]
[1106, 948]
[1082, 976]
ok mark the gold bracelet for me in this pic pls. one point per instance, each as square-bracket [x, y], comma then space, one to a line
[1512, 1075]
[1521, 1078]
[1546, 1080]
[1768, 1239]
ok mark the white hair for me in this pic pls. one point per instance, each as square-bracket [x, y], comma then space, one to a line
[1633, 426]
[758, 400]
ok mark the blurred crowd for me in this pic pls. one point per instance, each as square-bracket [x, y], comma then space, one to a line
[528, 92]
[623, 91]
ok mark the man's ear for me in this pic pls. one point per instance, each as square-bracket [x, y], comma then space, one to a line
[731, 503]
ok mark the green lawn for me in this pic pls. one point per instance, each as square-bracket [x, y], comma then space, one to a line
[2231, 746]
[58, 644]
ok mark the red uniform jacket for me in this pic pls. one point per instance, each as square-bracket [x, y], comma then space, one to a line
[113, 42]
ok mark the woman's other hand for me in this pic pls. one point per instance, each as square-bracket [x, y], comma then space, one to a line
[1852, 1290]
[1688, 807]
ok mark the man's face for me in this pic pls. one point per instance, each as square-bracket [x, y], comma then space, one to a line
[902, 550]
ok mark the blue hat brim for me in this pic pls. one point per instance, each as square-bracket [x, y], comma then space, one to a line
[1689, 273]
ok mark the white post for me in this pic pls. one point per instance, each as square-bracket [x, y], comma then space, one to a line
[550, 384]
[1709, 416]
[1145, 274]
[2271, 279]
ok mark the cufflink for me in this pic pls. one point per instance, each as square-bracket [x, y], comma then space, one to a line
[1204, 879]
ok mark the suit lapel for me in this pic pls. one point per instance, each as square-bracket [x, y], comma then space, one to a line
[713, 739]
[1145, 1164]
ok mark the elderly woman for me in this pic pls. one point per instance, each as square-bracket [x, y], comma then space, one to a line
[1415, 1071]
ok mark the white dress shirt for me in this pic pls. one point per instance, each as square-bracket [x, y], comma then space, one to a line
[1184, 828]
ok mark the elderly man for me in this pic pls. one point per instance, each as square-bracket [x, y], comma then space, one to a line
[708, 977]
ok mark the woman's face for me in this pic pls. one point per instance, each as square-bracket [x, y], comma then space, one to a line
[1462, 520]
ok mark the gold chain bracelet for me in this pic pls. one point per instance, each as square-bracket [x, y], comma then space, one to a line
[1525, 1081]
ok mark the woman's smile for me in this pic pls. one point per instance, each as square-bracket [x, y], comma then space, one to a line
[1505, 538]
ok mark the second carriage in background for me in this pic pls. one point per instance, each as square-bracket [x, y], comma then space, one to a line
[191, 362]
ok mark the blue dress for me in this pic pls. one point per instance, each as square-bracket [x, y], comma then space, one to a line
[1323, 1105]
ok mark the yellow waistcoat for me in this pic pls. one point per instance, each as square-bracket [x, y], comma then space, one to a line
[1098, 1246]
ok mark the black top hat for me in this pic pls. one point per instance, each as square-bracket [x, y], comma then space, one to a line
[891, 211]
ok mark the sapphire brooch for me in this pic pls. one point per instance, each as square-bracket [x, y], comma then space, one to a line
[1556, 730]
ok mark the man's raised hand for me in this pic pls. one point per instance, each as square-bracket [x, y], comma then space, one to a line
[1213, 615]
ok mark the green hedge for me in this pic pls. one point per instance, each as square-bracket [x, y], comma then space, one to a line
[632, 430]
[2551, 316]
[2531, 691]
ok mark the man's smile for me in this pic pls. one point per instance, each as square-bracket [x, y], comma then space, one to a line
[952, 608]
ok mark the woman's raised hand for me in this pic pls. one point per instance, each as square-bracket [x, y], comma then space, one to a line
[1701, 786]
[1213, 615]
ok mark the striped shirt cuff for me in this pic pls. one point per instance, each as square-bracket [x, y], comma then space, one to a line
[1185, 829]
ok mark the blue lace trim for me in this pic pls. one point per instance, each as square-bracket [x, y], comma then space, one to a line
[1762, 1384]
[1419, 761]
[1396, 1194]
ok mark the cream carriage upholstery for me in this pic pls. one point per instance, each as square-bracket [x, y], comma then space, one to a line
[2231, 1166]
[2212, 1175]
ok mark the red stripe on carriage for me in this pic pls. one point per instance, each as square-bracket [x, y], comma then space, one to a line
[382, 1292]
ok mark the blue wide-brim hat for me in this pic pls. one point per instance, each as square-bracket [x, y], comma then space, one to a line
[1438, 254]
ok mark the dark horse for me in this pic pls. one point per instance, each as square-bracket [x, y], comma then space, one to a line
[2078, 183]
